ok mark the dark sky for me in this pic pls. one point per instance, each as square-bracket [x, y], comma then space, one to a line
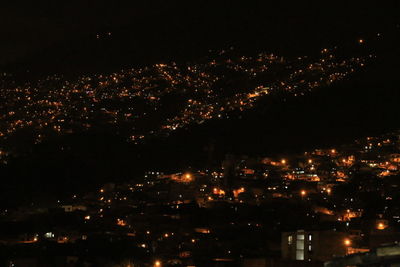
[32, 29]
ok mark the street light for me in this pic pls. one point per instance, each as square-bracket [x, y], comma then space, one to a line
[303, 193]
[328, 190]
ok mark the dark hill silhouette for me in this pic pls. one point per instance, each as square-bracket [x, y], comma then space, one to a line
[365, 104]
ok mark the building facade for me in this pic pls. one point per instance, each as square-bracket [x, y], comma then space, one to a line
[314, 245]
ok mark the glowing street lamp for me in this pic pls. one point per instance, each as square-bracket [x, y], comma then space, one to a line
[347, 242]
[157, 263]
[381, 226]
[303, 193]
[328, 190]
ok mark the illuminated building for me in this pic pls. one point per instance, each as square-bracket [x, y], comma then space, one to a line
[313, 245]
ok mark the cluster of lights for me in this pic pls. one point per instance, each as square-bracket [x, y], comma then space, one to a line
[56, 105]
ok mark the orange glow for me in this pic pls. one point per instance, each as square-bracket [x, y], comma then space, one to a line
[323, 210]
[182, 178]
[396, 159]
[315, 179]
[187, 177]
[218, 191]
[283, 161]
[202, 230]
[303, 193]
[328, 190]
[357, 250]
[290, 176]
[340, 174]
[384, 173]
[248, 171]
[121, 222]
[381, 225]
[347, 242]
[62, 240]
[252, 95]
[238, 191]
[157, 263]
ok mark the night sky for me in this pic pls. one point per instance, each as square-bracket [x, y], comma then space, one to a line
[31, 30]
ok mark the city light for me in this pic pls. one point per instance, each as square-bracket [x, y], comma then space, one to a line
[381, 226]
[83, 100]
[121, 222]
[187, 177]
[328, 190]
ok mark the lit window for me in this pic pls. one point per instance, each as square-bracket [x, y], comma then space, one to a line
[309, 237]
[300, 255]
[300, 237]
[300, 244]
[290, 240]
[309, 247]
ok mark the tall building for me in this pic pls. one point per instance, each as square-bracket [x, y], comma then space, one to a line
[314, 245]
